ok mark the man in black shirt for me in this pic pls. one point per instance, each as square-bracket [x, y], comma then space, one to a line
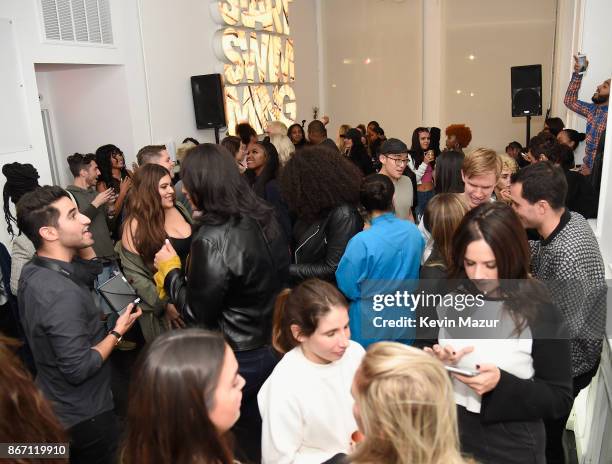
[63, 325]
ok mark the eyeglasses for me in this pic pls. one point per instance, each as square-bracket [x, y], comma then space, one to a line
[398, 161]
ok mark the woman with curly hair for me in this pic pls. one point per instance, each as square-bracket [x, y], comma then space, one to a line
[297, 135]
[321, 188]
[458, 137]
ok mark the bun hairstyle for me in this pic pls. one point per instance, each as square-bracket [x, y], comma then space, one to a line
[302, 306]
[376, 193]
[574, 136]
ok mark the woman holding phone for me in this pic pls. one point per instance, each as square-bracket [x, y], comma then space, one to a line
[421, 163]
[522, 366]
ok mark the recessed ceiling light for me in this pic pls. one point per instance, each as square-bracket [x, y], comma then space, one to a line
[458, 91]
[471, 57]
[367, 61]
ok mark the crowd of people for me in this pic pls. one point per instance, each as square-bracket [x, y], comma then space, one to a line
[255, 266]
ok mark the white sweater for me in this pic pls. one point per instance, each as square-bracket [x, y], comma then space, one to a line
[307, 408]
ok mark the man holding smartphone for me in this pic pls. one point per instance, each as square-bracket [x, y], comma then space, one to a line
[596, 113]
[64, 327]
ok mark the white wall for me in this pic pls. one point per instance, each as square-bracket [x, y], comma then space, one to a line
[303, 23]
[373, 64]
[499, 35]
[88, 106]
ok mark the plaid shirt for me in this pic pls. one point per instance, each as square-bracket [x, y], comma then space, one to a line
[596, 116]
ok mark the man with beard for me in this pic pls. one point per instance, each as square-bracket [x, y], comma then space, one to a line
[596, 113]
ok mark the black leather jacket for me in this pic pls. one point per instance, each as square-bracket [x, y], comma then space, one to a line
[233, 277]
[320, 245]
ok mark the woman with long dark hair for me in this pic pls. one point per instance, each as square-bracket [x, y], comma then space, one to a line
[447, 172]
[113, 174]
[184, 399]
[520, 361]
[322, 189]
[421, 163]
[238, 263]
[306, 404]
[357, 152]
[153, 215]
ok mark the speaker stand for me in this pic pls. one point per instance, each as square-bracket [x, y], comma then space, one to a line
[528, 121]
[217, 135]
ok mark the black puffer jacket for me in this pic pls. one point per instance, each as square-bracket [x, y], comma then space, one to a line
[320, 245]
[233, 277]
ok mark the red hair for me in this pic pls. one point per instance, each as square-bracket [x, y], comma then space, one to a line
[462, 132]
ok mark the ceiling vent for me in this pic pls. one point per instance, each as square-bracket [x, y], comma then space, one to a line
[77, 21]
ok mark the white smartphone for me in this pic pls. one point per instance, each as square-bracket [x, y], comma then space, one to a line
[462, 371]
[582, 62]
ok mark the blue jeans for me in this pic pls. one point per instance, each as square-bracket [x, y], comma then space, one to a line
[422, 199]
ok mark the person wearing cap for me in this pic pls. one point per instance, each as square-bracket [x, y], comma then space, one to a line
[394, 159]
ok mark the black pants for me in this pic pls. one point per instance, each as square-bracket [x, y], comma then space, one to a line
[255, 366]
[555, 428]
[95, 441]
[518, 442]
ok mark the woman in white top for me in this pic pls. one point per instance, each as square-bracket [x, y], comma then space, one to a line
[306, 403]
[518, 348]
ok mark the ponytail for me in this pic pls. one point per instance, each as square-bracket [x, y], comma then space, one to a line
[282, 338]
[302, 306]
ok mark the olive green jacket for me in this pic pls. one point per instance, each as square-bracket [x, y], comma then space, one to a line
[140, 276]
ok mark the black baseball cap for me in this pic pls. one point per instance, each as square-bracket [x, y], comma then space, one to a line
[393, 146]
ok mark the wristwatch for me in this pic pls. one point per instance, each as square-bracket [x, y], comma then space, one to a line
[117, 335]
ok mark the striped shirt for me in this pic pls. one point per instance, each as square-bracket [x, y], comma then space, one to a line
[596, 116]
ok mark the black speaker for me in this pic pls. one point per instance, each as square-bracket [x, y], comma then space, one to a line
[208, 101]
[526, 82]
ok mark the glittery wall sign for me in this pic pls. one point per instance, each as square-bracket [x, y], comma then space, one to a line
[256, 49]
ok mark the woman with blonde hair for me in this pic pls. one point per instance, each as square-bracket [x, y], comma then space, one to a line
[443, 214]
[342, 130]
[284, 146]
[276, 128]
[502, 189]
[405, 408]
